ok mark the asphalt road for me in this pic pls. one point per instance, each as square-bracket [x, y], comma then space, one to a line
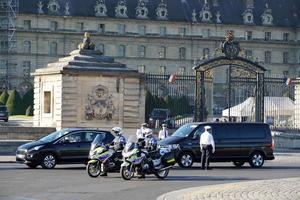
[71, 182]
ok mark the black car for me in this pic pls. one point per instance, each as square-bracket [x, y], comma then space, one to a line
[61, 147]
[3, 113]
[234, 142]
[162, 115]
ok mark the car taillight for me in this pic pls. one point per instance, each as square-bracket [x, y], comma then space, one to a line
[273, 144]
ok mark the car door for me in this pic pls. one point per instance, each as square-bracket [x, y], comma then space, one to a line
[194, 141]
[227, 141]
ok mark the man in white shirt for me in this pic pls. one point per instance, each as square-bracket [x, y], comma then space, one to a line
[164, 132]
[207, 146]
[140, 133]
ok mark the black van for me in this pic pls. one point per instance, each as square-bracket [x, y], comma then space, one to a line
[235, 142]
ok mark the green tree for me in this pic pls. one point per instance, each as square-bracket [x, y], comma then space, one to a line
[3, 98]
[15, 104]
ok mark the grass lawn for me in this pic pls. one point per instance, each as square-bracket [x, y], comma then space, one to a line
[20, 117]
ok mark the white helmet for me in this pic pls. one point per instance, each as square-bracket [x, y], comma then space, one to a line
[117, 130]
[148, 132]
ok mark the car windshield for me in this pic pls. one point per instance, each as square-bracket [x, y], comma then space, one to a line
[54, 136]
[185, 130]
[3, 109]
[162, 113]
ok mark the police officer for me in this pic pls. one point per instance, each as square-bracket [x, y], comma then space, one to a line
[150, 140]
[140, 133]
[207, 146]
[164, 132]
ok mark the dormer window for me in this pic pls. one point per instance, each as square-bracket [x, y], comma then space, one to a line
[266, 17]
[205, 13]
[161, 11]
[121, 9]
[141, 10]
[100, 9]
[53, 7]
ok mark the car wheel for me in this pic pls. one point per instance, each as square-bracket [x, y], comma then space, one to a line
[185, 160]
[256, 159]
[31, 165]
[238, 163]
[48, 161]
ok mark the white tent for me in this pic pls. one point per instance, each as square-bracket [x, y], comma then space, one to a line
[275, 107]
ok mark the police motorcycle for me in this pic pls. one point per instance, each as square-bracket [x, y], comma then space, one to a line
[103, 157]
[139, 161]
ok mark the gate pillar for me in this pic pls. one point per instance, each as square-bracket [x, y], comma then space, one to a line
[200, 97]
[259, 99]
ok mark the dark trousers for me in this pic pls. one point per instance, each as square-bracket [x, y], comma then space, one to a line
[206, 152]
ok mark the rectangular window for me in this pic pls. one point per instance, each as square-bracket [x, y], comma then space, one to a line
[101, 28]
[162, 31]
[142, 69]
[47, 102]
[182, 53]
[141, 51]
[285, 73]
[121, 51]
[2, 67]
[53, 26]
[249, 35]
[142, 29]
[26, 68]
[3, 46]
[206, 33]
[27, 24]
[80, 26]
[181, 71]
[162, 52]
[268, 36]
[268, 57]
[285, 57]
[121, 29]
[182, 31]
[249, 54]
[162, 70]
[27, 47]
[286, 37]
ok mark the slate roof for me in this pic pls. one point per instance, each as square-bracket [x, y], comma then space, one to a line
[285, 12]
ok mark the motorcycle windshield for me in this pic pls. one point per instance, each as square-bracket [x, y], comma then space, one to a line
[98, 141]
[130, 144]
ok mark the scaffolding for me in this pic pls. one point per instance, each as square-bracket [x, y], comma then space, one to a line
[8, 15]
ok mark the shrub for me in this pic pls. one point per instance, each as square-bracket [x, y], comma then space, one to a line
[29, 111]
[15, 104]
[3, 98]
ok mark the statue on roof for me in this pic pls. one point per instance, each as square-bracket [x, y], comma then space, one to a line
[86, 44]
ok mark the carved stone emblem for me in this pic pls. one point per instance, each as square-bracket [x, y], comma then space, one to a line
[266, 17]
[99, 104]
[100, 9]
[205, 13]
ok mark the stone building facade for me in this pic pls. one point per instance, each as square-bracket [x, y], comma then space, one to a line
[157, 36]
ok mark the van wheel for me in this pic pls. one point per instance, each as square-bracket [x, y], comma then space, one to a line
[238, 163]
[48, 161]
[185, 160]
[256, 159]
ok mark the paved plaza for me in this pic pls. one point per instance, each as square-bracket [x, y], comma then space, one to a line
[277, 189]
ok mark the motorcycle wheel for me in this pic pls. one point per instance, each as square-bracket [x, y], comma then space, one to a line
[162, 174]
[93, 169]
[127, 173]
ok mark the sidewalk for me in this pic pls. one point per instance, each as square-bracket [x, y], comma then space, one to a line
[277, 189]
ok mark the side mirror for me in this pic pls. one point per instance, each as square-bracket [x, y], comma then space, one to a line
[195, 137]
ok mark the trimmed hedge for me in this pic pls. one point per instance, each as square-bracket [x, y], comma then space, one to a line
[15, 104]
[28, 98]
[3, 97]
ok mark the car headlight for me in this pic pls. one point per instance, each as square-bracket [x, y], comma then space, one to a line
[37, 147]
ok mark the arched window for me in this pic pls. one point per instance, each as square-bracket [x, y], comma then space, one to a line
[27, 47]
[53, 48]
[121, 51]
[141, 51]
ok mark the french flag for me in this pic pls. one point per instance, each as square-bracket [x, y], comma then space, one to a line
[288, 81]
[172, 78]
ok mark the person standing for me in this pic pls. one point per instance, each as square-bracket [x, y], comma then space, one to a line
[164, 132]
[207, 146]
[140, 133]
